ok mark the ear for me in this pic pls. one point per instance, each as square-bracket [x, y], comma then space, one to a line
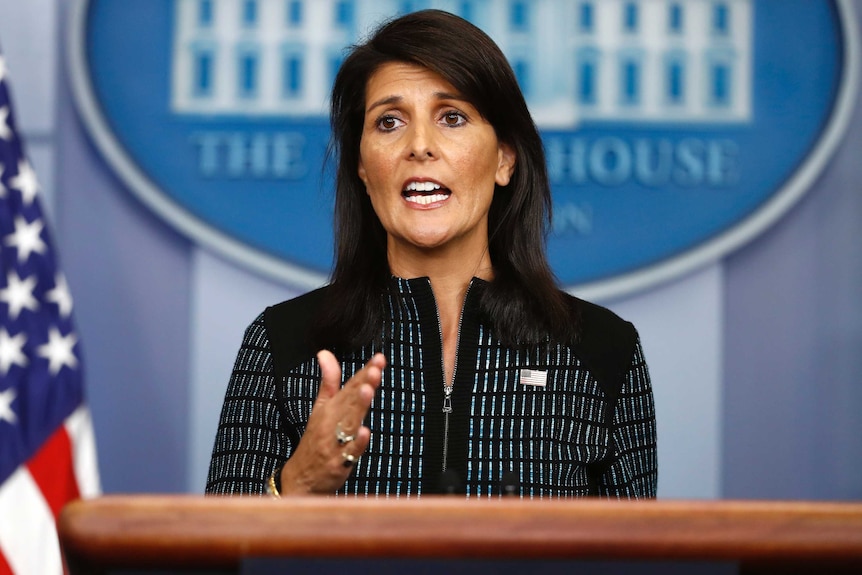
[505, 164]
[362, 174]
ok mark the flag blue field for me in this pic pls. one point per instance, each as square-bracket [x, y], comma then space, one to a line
[47, 449]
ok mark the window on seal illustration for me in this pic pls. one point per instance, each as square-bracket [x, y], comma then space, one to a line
[674, 79]
[205, 13]
[721, 19]
[519, 16]
[675, 17]
[630, 17]
[587, 77]
[343, 14]
[466, 10]
[203, 72]
[630, 81]
[720, 89]
[248, 73]
[586, 18]
[292, 65]
[249, 13]
[522, 73]
[408, 6]
[293, 12]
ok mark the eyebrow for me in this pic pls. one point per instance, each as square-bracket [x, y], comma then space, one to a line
[389, 100]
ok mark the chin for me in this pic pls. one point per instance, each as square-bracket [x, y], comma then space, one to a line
[427, 241]
[428, 244]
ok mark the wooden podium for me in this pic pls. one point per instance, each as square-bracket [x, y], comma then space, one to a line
[178, 533]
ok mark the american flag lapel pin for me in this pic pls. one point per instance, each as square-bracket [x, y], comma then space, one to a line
[535, 377]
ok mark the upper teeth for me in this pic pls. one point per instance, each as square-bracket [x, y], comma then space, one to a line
[422, 187]
[426, 200]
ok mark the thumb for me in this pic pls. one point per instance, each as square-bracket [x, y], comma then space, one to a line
[331, 371]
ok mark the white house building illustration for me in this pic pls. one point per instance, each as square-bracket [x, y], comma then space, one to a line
[649, 61]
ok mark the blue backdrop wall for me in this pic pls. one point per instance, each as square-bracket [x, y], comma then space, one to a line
[754, 356]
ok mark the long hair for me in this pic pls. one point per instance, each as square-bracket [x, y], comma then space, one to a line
[522, 302]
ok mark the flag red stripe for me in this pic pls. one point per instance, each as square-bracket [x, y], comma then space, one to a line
[53, 471]
[4, 567]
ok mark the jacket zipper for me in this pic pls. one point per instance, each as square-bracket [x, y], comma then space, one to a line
[447, 389]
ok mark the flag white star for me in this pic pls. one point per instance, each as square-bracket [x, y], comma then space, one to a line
[61, 296]
[2, 187]
[25, 182]
[18, 294]
[27, 237]
[6, 398]
[12, 350]
[58, 350]
[5, 129]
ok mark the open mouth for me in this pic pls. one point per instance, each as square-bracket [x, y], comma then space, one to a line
[425, 193]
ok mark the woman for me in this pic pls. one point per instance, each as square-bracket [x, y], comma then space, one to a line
[464, 367]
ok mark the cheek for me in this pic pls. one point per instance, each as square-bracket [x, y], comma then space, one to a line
[372, 168]
[375, 190]
[482, 168]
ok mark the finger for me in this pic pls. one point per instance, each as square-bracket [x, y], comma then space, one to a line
[331, 374]
[359, 391]
[371, 373]
[356, 397]
[378, 359]
[366, 395]
[363, 438]
[378, 362]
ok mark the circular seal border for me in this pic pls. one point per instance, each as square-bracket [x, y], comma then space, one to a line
[625, 284]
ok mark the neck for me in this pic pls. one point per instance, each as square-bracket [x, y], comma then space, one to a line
[450, 272]
[447, 268]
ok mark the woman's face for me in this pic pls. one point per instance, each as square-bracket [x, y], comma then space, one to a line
[429, 161]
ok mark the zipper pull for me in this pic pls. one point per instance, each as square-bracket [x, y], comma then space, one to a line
[447, 400]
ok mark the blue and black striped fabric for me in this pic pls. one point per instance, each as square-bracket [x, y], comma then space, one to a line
[590, 430]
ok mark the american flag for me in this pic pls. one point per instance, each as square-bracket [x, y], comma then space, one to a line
[47, 449]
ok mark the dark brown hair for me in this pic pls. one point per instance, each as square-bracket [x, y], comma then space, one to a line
[522, 302]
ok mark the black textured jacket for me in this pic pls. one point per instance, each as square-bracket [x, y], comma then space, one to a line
[589, 430]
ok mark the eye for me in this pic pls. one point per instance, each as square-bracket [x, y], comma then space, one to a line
[388, 123]
[454, 118]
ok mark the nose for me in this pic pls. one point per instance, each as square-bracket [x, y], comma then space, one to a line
[421, 144]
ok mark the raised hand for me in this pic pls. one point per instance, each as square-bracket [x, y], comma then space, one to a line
[335, 437]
